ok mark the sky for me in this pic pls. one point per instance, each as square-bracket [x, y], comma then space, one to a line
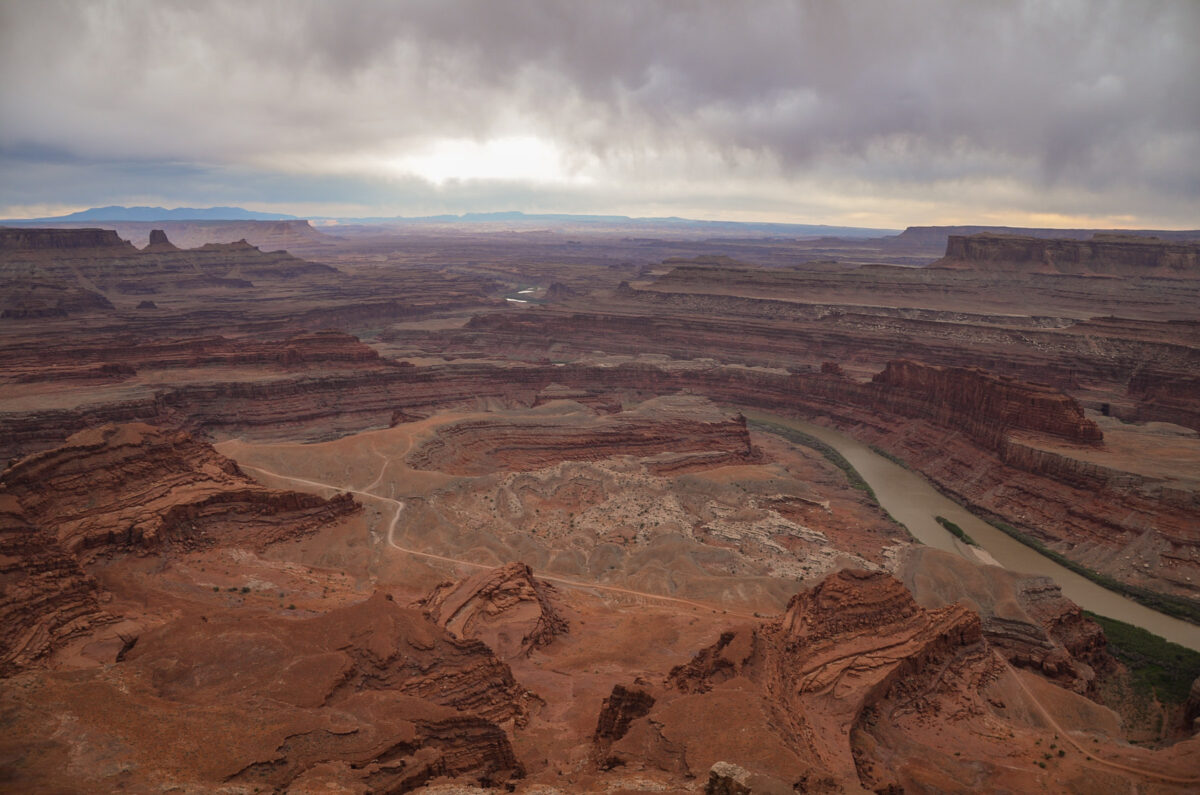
[879, 114]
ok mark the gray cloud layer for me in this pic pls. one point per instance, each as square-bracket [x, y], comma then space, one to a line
[880, 112]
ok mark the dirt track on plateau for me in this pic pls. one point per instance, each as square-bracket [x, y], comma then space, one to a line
[398, 509]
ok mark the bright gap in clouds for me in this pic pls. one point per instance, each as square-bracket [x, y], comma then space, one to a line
[523, 158]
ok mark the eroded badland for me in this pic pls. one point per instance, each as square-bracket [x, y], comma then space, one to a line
[373, 509]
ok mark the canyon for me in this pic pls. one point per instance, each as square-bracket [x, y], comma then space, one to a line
[503, 511]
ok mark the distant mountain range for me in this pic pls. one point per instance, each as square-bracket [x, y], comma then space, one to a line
[149, 214]
[118, 213]
[670, 222]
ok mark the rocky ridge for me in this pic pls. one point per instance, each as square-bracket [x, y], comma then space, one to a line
[47, 599]
[136, 488]
[1024, 618]
[507, 608]
[672, 434]
[367, 696]
[812, 677]
[123, 489]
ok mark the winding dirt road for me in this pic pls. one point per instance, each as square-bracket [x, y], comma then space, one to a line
[398, 509]
[1097, 759]
[579, 585]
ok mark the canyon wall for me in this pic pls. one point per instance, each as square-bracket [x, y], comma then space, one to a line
[940, 420]
[1166, 397]
[1121, 255]
[984, 405]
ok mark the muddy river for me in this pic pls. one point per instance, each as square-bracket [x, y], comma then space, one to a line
[912, 500]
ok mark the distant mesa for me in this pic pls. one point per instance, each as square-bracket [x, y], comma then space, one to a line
[57, 239]
[1102, 255]
[936, 237]
[99, 259]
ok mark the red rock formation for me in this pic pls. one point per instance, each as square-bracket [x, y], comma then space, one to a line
[136, 487]
[1166, 397]
[1025, 618]
[985, 405]
[1070, 501]
[46, 599]
[622, 707]
[506, 608]
[374, 687]
[802, 683]
[38, 298]
[326, 349]
[1123, 255]
[599, 401]
[159, 242]
[373, 645]
[675, 434]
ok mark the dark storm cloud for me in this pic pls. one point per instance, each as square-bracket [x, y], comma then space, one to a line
[1051, 107]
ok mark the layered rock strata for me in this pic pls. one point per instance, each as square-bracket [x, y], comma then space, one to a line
[121, 358]
[507, 608]
[1025, 618]
[673, 434]
[1068, 501]
[1166, 397]
[986, 406]
[101, 259]
[1111, 254]
[368, 697]
[46, 598]
[136, 487]
[36, 239]
[805, 681]
[122, 489]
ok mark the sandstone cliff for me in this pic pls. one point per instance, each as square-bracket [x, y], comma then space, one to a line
[36, 298]
[1166, 397]
[1118, 255]
[1025, 618]
[35, 239]
[122, 357]
[118, 489]
[986, 406]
